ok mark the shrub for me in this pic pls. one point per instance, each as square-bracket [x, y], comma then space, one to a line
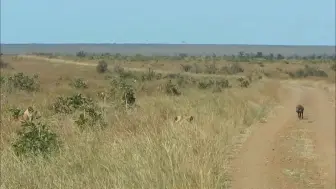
[158, 76]
[171, 89]
[243, 82]
[205, 84]
[23, 82]
[211, 69]
[223, 84]
[118, 69]
[123, 91]
[91, 115]
[16, 113]
[232, 69]
[36, 139]
[128, 95]
[182, 81]
[90, 119]
[2, 79]
[149, 76]
[128, 75]
[78, 84]
[81, 54]
[70, 104]
[102, 67]
[171, 76]
[308, 71]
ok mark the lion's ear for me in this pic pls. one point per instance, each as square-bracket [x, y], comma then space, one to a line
[30, 109]
[177, 118]
[190, 118]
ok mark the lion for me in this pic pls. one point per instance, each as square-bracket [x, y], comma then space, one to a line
[188, 118]
[30, 114]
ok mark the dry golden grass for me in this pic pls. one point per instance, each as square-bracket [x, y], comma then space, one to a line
[140, 148]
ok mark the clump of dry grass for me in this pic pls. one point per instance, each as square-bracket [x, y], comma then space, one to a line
[140, 147]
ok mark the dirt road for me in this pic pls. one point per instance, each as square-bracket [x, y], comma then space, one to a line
[289, 153]
[62, 61]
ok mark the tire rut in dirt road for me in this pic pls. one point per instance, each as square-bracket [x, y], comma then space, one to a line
[295, 159]
[324, 131]
[291, 153]
[252, 164]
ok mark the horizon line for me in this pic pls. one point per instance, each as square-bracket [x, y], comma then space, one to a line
[162, 44]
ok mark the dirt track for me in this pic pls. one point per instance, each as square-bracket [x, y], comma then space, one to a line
[289, 153]
[55, 60]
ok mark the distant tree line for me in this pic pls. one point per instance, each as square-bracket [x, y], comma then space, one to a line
[241, 56]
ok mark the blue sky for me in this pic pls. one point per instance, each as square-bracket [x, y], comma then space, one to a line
[272, 22]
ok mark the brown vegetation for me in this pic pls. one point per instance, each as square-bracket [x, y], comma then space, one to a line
[111, 124]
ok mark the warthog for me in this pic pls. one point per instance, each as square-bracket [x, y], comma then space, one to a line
[299, 111]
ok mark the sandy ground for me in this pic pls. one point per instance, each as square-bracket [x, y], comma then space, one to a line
[289, 153]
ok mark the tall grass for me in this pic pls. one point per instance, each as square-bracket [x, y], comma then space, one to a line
[144, 148]
[139, 148]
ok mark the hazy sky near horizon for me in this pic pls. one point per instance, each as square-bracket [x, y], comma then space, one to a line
[271, 22]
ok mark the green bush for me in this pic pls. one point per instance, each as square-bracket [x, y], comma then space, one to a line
[2, 80]
[16, 112]
[90, 115]
[24, 82]
[149, 76]
[78, 84]
[128, 75]
[120, 90]
[71, 103]
[172, 76]
[205, 84]
[34, 138]
[171, 89]
[211, 68]
[118, 69]
[243, 82]
[308, 71]
[232, 69]
[223, 84]
[90, 119]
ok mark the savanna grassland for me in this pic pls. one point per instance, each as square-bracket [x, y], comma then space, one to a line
[106, 121]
